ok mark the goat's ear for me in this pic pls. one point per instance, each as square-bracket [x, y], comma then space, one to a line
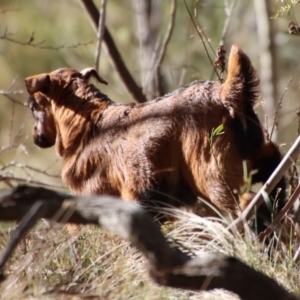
[240, 88]
[37, 83]
[91, 72]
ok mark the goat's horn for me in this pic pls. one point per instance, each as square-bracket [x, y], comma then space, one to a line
[91, 72]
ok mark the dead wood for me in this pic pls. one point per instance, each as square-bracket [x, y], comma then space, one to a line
[167, 266]
[114, 53]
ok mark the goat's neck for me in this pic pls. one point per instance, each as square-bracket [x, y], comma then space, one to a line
[77, 115]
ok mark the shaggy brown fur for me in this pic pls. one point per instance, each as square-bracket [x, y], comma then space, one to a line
[161, 150]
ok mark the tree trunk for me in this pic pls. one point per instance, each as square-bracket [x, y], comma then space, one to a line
[267, 50]
[148, 22]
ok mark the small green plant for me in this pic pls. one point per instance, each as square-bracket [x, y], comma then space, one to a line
[216, 132]
[285, 8]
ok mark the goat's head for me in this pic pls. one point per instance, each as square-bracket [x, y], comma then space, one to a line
[53, 84]
[44, 88]
[44, 130]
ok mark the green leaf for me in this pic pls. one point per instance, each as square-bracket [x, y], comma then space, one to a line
[215, 132]
[267, 201]
[218, 131]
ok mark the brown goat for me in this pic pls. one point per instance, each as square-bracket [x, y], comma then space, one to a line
[160, 151]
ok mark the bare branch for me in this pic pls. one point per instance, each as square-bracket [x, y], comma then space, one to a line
[26, 167]
[10, 91]
[27, 222]
[4, 92]
[275, 120]
[40, 45]
[15, 142]
[11, 123]
[267, 49]
[164, 45]
[14, 100]
[168, 266]
[200, 33]
[228, 11]
[168, 35]
[18, 180]
[279, 172]
[147, 14]
[100, 33]
[125, 75]
[207, 40]
[280, 215]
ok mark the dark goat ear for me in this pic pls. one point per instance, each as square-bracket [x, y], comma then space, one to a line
[37, 83]
[91, 72]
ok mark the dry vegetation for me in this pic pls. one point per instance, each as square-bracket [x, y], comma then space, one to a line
[49, 264]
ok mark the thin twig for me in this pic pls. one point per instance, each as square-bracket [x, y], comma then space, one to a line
[11, 122]
[114, 53]
[267, 57]
[4, 92]
[35, 182]
[199, 31]
[147, 20]
[161, 49]
[10, 91]
[27, 222]
[39, 45]
[168, 35]
[7, 95]
[280, 215]
[15, 142]
[100, 33]
[275, 122]
[228, 11]
[202, 31]
[23, 166]
[293, 14]
[279, 172]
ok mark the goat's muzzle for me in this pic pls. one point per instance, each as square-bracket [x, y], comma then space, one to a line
[42, 141]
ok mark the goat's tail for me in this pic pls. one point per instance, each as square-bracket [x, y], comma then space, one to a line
[240, 90]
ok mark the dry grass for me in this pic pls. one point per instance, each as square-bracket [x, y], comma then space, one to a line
[50, 264]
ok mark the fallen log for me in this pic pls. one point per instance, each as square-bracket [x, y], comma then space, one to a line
[168, 266]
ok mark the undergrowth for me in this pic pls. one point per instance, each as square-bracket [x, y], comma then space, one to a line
[96, 264]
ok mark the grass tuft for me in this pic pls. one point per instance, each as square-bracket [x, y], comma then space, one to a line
[49, 264]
